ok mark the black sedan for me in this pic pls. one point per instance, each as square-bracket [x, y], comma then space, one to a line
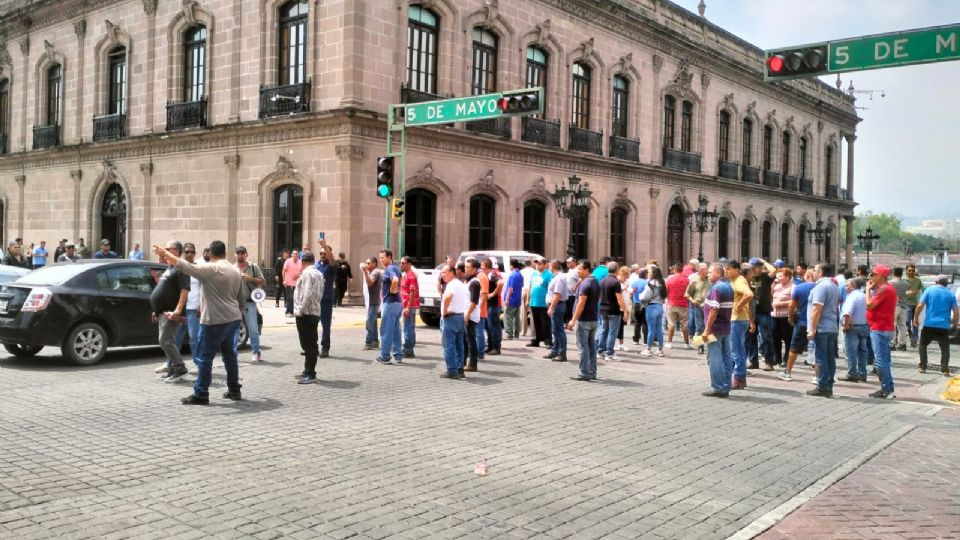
[82, 307]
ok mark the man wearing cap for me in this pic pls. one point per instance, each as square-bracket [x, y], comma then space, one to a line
[941, 319]
[167, 302]
[856, 333]
[13, 256]
[696, 293]
[573, 279]
[761, 280]
[881, 311]
[105, 251]
[252, 278]
[717, 308]
[69, 254]
[823, 327]
[692, 269]
[557, 295]
[83, 250]
[740, 322]
[900, 338]
[512, 298]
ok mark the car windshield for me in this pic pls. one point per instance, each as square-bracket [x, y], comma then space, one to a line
[52, 275]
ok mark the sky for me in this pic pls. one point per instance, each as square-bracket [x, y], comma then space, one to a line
[905, 156]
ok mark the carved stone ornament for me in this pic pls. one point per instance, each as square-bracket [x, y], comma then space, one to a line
[80, 28]
[76, 175]
[832, 139]
[625, 62]
[25, 46]
[540, 186]
[146, 169]
[751, 108]
[786, 214]
[5, 54]
[350, 152]
[21, 179]
[487, 181]
[771, 115]
[587, 47]
[189, 13]
[285, 167]
[748, 211]
[232, 161]
[726, 208]
[768, 215]
[806, 129]
[728, 101]
[543, 33]
[112, 31]
[150, 7]
[705, 80]
[683, 77]
[654, 192]
[657, 63]
[623, 198]
[819, 126]
[109, 172]
[789, 123]
[426, 171]
[490, 12]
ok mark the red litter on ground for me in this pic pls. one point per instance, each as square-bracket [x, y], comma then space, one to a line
[480, 469]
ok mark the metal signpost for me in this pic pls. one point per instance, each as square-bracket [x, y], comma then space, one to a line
[446, 111]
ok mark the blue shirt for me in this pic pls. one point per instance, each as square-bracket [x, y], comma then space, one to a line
[600, 272]
[329, 272]
[825, 293]
[855, 306]
[638, 284]
[515, 286]
[39, 256]
[538, 288]
[385, 282]
[801, 293]
[939, 306]
[136, 255]
[101, 255]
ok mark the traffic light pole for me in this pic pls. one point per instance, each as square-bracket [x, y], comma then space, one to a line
[398, 129]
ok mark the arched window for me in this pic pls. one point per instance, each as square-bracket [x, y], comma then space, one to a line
[581, 96]
[686, 127]
[484, 62]
[194, 63]
[766, 240]
[803, 157]
[482, 222]
[54, 94]
[534, 226]
[669, 117]
[621, 99]
[118, 81]
[747, 148]
[423, 27]
[828, 165]
[537, 62]
[785, 241]
[618, 234]
[724, 136]
[802, 244]
[786, 153]
[580, 233]
[287, 218]
[723, 237]
[767, 148]
[293, 42]
[4, 118]
[746, 231]
[421, 222]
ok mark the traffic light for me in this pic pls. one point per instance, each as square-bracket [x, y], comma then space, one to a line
[397, 208]
[385, 177]
[796, 62]
[520, 101]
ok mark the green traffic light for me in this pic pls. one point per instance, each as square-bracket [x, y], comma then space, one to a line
[383, 190]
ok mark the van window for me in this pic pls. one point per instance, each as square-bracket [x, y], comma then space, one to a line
[126, 278]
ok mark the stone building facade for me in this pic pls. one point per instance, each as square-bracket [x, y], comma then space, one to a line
[259, 122]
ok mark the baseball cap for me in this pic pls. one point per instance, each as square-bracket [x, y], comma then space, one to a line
[571, 259]
[755, 261]
[240, 249]
[778, 263]
[104, 242]
[70, 244]
[882, 270]
[693, 261]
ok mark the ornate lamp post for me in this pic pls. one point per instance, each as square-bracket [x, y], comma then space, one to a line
[868, 241]
[702, 220]
[940, 252]
[572, 202]
[818, 235]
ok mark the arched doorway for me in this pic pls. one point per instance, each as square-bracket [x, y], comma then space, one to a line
[421, 227]
[287, 218]
[675, 249]
[113, 218]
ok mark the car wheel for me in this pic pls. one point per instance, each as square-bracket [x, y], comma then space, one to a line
[22, 351]
[86, 344]
[430, 319]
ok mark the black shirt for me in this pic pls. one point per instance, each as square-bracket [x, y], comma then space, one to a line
[610, 290]
[166, 294]
[591, 290]
[763, 292]
[495, 301]
[344, 272]
[278, 268]
[10, 261]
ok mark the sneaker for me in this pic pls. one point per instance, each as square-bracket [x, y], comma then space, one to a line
[233, 396]
[622, 348]
[176, 376]
[819, 392]
[289, 315]
[714, 393]
[409, 355]
[881, 395]
[738, 384]
[660, 353]
[370, 347]
[688, 346]
[194, 400]
[162, 369]
[611, 358]
[921, 370]
[668, 345]
[385, 361]
[550, 356]
[850, 378]
[306, 379]
[784, 376]
[326, 353]
[257, 357]
[767, 366]
[398, 360]
[562, 357]
[645, 353]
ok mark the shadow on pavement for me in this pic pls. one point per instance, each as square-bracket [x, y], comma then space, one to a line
[502, 363]
[619, 383]
[115, 358]
[508, 374]
[247, 406]
[737, 396]
[339, 385]
[481, 381]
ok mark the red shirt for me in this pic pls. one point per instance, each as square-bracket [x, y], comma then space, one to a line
[676, 287]
[409, 286]
[880, 317]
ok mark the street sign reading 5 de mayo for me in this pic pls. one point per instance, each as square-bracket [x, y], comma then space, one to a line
[920, 46]
[467, 109]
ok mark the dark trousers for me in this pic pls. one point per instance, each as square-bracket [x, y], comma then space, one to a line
[307, 331]
[281, 294]
[942, 337]
[541, 325]
[471, 342]
[571, 303]
[289, 299]
[339, 290]
[326, 315]
[782, 335]
[639, 323]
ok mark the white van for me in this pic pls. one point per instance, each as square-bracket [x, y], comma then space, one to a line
[503, 258]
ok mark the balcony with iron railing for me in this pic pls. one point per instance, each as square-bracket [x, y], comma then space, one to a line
[771, 179]
[750, 175]
[728, 169]
[806, 186]
[494, 126]
[584, 140]
[624, 148]
[46, 136]
[789, 183]
[3, 143]
[681, 160]
[109, 127]
[832, 192]
[409, 95]
[283, 100]
[187, 115]
[845, 195]
[540, 131]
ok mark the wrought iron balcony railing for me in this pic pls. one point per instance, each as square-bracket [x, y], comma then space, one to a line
[409, 95]
[283, 100]
[46, 136]
[680, 160]
[585, 140]
[494, 126]
[833, 192]
[844, 195]
[789, 183]
[187, 115]
[806, 186]
[750, 175]
[728, 169]
[771, 179]
[540, 131]
[109, 127]
[623, 148]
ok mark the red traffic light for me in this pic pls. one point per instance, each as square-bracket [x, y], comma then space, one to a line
[808, 61]
[519, 102]
[775, 63]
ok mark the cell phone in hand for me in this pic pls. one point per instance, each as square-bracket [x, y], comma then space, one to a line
[322, 236]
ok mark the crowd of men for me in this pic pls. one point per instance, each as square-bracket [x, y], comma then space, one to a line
[36, 256]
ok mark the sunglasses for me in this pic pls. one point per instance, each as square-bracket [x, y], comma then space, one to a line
[189, 252]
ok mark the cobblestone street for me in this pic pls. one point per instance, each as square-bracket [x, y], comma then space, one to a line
[376, 451]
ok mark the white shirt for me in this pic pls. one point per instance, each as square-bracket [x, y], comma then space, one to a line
[527, 272]
[460, 297]
[193, 297]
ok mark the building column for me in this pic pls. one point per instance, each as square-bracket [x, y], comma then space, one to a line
[77, 176]
[350, 186]
[25, 50]
[849, 219]
[80, 29]
[653, 228]
[236, 43]
[233, 166]
[352, 55]
[21, 180]
[150, 7]
[146, 169]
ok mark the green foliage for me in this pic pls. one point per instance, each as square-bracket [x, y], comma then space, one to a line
[892, 235]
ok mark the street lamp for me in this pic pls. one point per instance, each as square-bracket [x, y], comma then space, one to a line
[818, 235]
[868, 241]
[572, 202]
[702, 220]
[940, 252]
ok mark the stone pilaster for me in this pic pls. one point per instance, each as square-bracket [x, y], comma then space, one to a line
[21, 182]
[80, 29]
[654, 224]
[232, 163]
[24, 78]
[146, 169]
[77, 176]
[350, 184]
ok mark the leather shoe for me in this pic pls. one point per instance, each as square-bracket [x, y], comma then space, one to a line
[470, 367]
[559, 358]
[550, 356]
[493, 352]
[848, 378]
[715, 393]
[585, 379]
[446, 375]
[533, 344]
[819, 392]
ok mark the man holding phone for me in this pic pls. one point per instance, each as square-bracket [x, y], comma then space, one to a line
[328, 267]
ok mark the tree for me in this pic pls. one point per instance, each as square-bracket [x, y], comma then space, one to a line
[887, 226]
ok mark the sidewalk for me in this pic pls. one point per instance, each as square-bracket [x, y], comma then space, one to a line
[343, 317]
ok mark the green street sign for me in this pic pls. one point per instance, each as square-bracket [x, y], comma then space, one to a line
[466, 109]
[925, 45]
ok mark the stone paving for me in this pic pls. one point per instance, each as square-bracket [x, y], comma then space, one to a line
[376, 451]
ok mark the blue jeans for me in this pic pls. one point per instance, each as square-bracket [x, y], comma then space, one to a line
[911, 329]
[720, 360]
[326, 319]
[881, 351]
[587, 342]
[454, 332]
[390, 330]
[409, 330]
[826, 353]
[215, 338]
[695, 324]
[765, 337]
[558, 330]
[654, 313]
[855, 343]
[738, 346]
[494, 328]
[253, 329]
[608, 335]
[190, 327]
[372, 334]
[481, 338]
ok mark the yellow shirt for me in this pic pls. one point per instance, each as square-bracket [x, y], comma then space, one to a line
[740, 287]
